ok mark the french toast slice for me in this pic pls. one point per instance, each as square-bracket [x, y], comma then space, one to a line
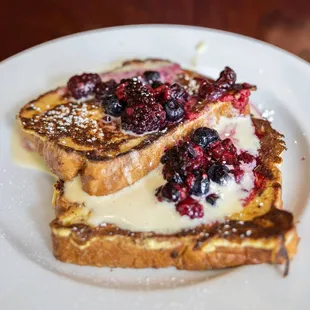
[72, 138]
[261, 233]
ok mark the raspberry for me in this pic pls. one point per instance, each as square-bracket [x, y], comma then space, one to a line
[246, 157]
[190, 207]
[224, 151]
[141, 118]
[259, 180]
[83, 85]
[159, 91]
[238, 173]
[241, 102]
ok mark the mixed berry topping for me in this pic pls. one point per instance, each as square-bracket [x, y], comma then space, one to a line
[174, 110]
[218, 173]
[198, 184]
[225, 88]
[141, 118]
[211, 199]
[145, 103]
[105, 89]
[212, 91]
[204, 136]
[83, 85]
[191, 166]
[224, 152]
[172, 192]
[151, 76]
[112, 106]
[190, 207]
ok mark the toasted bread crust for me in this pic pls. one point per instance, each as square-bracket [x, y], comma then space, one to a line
[125, 252]
[108, 173]
[272, 237]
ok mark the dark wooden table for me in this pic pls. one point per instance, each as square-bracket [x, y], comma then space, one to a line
[285, 23]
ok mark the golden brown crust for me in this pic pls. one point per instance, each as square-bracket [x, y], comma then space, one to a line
[259, 234]
[126, 252]
[133, 157]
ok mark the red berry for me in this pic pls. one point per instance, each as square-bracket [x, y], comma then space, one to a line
[141, 118]
[246, 157]
[224, 151]
[238, 173]
[190, 207]
[83, 85]
[227, 78]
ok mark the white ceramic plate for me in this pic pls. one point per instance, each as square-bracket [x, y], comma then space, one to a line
[30, 277]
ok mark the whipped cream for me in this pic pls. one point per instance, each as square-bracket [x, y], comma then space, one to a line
[136, 207]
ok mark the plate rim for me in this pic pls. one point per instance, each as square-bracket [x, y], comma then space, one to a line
[158, 26]
[171, 26]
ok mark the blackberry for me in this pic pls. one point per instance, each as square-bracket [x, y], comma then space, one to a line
[172, 192]
[141, 118]
[105, 89]
[174, 110]
[80, 86]
[132, 91]
[151, 76]
[204, 136]
[113, 106]
[218, 173]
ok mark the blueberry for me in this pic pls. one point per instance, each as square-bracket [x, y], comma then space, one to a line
[218, 173]
[174, 110]
[177, 178]
[151, 76]
[200, 185]
[204, 136]
[113, 106]
[211, 199]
